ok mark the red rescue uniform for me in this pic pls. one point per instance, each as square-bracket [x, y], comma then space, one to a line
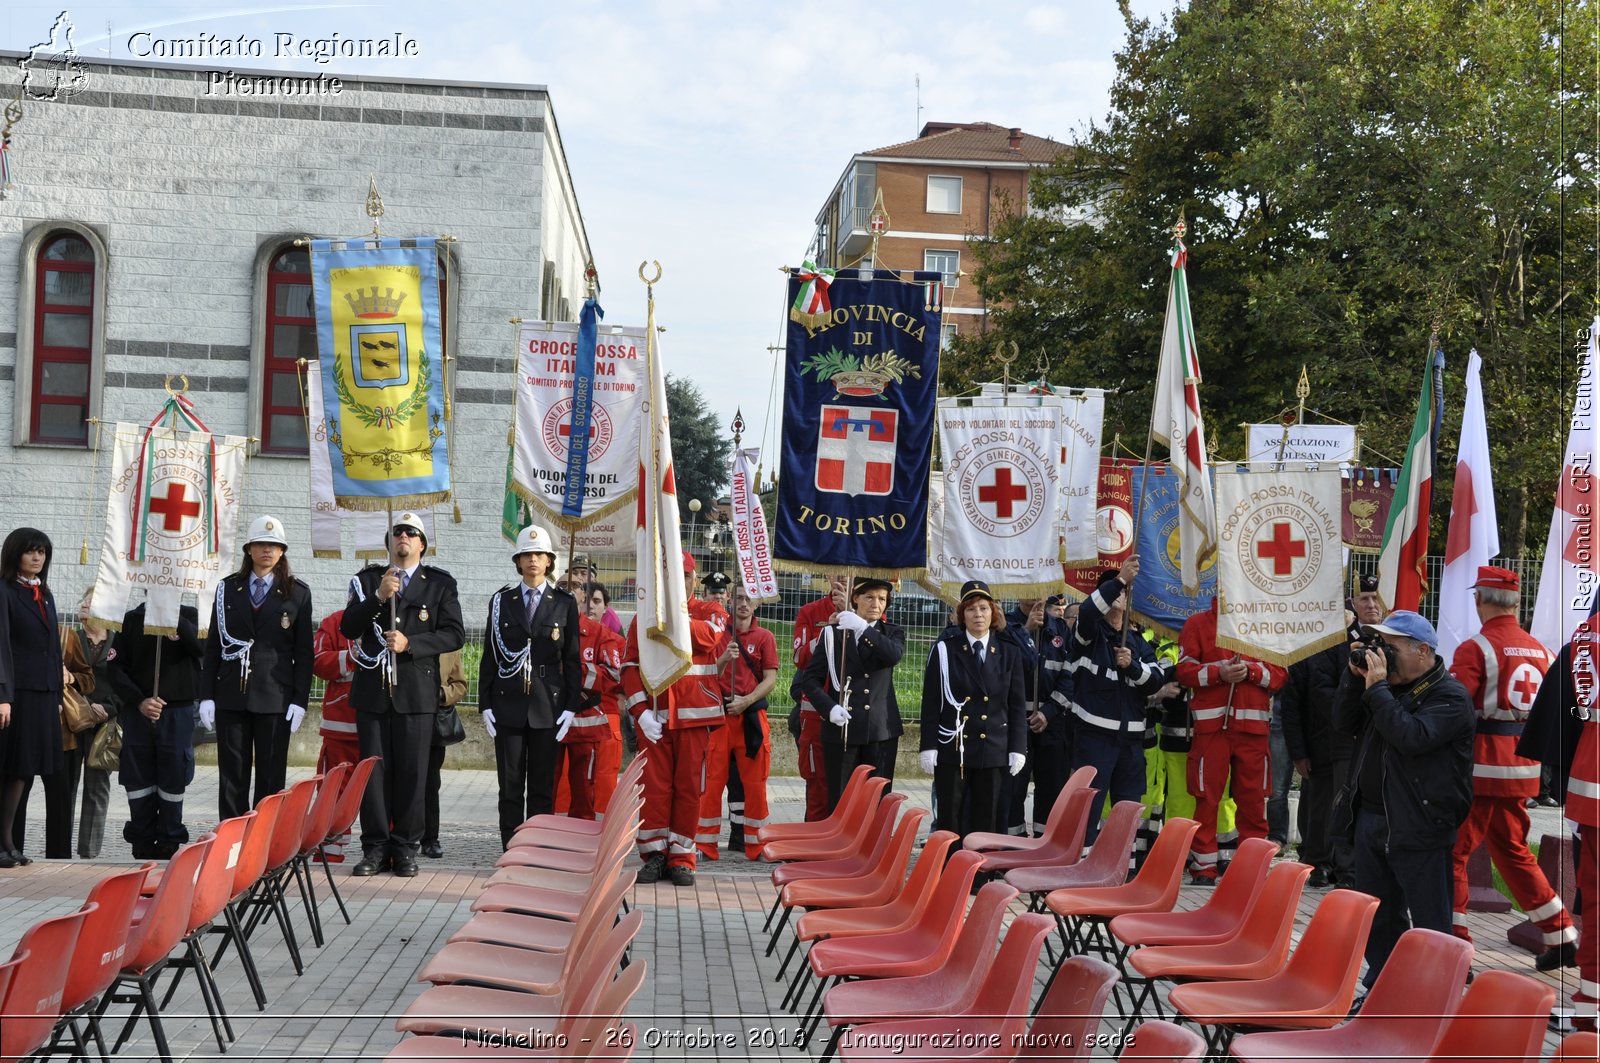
[580, 761]
[330, 662]
[808, 624]
[758, 652]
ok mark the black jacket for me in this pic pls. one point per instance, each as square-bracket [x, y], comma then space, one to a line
[867, 661]
[555, 659]
[133, 668]
[429, 616]
[35, 642]
[1307, 700]
[280, 655]
[1425, 748]
[994, 716]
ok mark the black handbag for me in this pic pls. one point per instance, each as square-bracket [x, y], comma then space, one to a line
[754, 735]
[447, 729]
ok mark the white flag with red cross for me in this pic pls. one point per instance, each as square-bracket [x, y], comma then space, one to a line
[1473, 537]
[1571, 571]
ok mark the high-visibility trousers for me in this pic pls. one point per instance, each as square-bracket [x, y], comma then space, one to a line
[674, 778]
[1501, 823]
[1221, 762]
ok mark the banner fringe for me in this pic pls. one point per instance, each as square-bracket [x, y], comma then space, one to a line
[334, 554]
[894, 575]
[570, 524]
[362, 504]
[1284, 659]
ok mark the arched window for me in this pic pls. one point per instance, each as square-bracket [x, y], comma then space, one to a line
[291, 334]
[61, 324]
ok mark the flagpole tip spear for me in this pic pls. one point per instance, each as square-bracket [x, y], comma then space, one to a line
[183, 387]
[737, 426]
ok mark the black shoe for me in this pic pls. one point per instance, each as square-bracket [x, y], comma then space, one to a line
[1356, 1005]
[1548, 802]
[432, 850]
[6, 859]
[1562, 955]
[653, 869]
[1202, 880]
[370, 864]
[681, 876]
[736, 842]
[405, 865]
[1318, 880]
[161, 849]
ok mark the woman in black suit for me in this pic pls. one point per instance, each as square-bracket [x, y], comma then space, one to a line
[255, 679]
[32, 736]
[974, 720]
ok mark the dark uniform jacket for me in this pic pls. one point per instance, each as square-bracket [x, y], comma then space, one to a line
[867, 661]
[555, 660]
[35, 644]
[134, 664]
[995, 713]
[1308, 699]
[1106, 697]
[280, 655]
[429, 614]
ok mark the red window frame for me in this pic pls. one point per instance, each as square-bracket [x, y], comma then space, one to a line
[46, 355]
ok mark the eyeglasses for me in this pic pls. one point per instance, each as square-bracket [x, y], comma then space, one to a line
[407, 531]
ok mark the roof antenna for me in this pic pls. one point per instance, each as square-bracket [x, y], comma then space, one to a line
[919, 104]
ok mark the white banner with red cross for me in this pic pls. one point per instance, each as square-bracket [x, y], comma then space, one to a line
[1001, 497]
[1280, 563]
[172, 516]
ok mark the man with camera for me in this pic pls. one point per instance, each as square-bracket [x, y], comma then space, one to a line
[1410, 787]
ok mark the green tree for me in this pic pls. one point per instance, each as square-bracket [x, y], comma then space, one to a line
[1355, 176]
[700, 451]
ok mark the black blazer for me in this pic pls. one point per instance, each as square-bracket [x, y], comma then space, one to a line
[35, 643]
[133, 668]
[556, 659]
[432, 591]
[280, 659]
[996, 709]
[868, 660]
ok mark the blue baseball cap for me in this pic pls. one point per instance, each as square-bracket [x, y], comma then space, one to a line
[1409, 625]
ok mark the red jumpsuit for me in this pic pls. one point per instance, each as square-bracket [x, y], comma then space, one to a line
[1232, 722]
[675, 767]
[808, 623]
[331, 662]
[751, 816]
[581, 758]
[1502, 667]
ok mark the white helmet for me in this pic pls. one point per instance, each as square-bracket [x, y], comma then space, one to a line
[267, 530]
[534, 540]
[406, 520]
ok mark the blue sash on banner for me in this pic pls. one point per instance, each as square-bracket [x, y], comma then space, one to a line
[582, 407]
[861, 380]
[1158, 595]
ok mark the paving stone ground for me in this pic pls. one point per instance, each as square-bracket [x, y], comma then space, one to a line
[711, 994]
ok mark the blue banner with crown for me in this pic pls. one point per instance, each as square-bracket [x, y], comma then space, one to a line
[1158, 597]
[381, 349]
[860, 390]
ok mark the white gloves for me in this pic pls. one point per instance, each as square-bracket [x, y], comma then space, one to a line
[1016, 761]
[295, 715]
[488, 721]
[564, 724]
[649, 725]
[208, 714]
[839, 715]
[852, 623]
[929, 759]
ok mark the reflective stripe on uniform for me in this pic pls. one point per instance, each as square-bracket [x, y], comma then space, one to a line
[338, 726]
[1506, 771]
[165, 796]
[1545, 910]
[144, 791]
[678, 845]
[1581, 787]
[1562, 936]
[708, 712]
[702, 669]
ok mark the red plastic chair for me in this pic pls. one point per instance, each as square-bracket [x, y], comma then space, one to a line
[1417, 990]
[213, 889]
[525, 849]
[950, 990]
[565, 881]
[850, 801]
[548, 904]
[1070, 1010]
[624, 805]
[155, 933]
[1503, 1016]
[626, 782]
[1581, 1045]
[102, 940]
[1060, 847]
[997, 1014]
[1106, 864]
[345, 813]
[269, 896]
[1312, 992]
[319, 819]
[872, 834]
[33, 1001]
[1219, 918]
[1081, 914]
[247, 872]
[987, 841]
[847, 839]
[538, 934]
[1161, 1042]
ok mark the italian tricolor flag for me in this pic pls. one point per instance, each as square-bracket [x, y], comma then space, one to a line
[1402, 574]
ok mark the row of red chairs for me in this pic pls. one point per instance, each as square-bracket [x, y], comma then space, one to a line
[543, 961]
[897, 959]
[137, 925]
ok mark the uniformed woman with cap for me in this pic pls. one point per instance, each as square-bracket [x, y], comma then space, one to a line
[974, 718]
[255, 679]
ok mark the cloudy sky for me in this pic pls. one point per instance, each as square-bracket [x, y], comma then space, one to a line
[701, 133]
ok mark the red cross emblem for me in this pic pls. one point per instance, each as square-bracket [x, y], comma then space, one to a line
[1576, 498]
[878, 223]
[1282, 549]
[1002, 492]
[565, 429]
[1523, 687]
[173, 508]
[1462, 507]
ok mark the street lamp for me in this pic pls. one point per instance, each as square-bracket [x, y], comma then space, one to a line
[694, 518]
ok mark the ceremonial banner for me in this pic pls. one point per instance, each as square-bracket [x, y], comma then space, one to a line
[1083, 415]
[662, 600]
[1114, 538]
[1001, 493]
[1280, 568]
[1571, 572]
[1368, 495]
[577, 385]
[750, 541]
[171, 517]
[862, 372]
[1159, 596]
[1334, 443]
[1473, 535]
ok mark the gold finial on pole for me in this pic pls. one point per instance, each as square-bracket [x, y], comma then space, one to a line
[1302, 391]
[650, 282]
[1005, 369]
[591, 279]
[738, 426]
[1180, 228]
[374, 204]
[184, 377]
[877, 223]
